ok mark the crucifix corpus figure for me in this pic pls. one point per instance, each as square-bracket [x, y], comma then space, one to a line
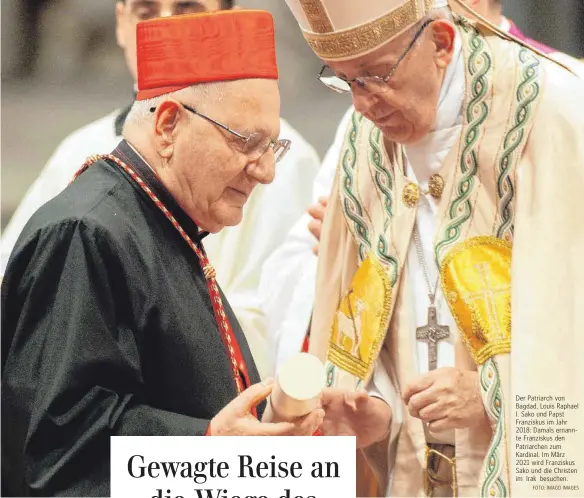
[431, 333]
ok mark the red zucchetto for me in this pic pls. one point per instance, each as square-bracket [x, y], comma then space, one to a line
[180, 51]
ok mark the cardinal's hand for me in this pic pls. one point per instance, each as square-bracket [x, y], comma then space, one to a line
[236, 418]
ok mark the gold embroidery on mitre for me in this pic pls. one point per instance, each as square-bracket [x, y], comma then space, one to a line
[361, 320]
[317, 16]
[367, 37]
[476, 278]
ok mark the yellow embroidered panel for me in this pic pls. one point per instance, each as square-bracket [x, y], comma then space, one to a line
[476, 280]
[361, 320]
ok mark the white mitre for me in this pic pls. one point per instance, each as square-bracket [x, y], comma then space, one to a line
[339, 30]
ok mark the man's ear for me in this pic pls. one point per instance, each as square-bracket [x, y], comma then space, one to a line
[443, 35]
[167, 118]
[121, 24]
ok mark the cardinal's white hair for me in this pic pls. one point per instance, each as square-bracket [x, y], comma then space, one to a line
[204, 93]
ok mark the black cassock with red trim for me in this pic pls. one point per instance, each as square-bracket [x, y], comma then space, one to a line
[107, 329]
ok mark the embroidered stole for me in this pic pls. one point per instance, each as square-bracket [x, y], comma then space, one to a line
[472, 248]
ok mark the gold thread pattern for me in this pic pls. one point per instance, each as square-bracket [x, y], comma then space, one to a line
[431, 480]
[361, 39]
[317, 16]
[411, 195]
[361, 320]
[436, 186]
[411, 192]
[478, 271]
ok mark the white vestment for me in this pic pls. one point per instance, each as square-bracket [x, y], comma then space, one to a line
[287, 286]
[237, 253]
[424, 159]
[288, 278]
[287, 283]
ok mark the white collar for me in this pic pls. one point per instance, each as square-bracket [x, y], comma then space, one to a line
[452, 92]
[426, 156]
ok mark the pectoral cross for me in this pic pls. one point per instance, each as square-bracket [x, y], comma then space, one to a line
[432, 333]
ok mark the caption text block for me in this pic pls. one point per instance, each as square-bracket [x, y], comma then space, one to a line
[230, 467]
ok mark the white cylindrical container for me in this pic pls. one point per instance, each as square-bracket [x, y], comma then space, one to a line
[297, 389]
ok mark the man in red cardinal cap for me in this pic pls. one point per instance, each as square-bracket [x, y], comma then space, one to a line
[112, 320]
[273, 209]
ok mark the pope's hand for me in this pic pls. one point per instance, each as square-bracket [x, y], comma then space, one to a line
[317, 212]
[446, 398]
[355, 414]
[236, 418]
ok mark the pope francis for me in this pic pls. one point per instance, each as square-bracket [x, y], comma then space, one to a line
[450, 274]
